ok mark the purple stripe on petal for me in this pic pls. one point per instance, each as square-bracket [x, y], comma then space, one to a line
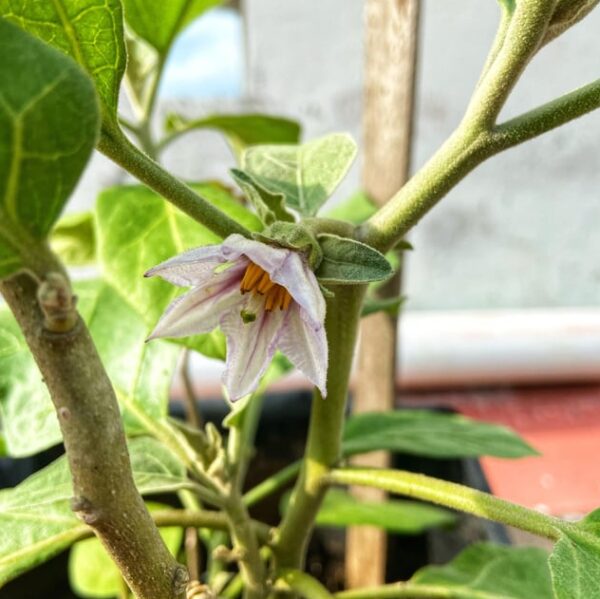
[306, 347]
[200, 310]
[250, 348]
[190, 268]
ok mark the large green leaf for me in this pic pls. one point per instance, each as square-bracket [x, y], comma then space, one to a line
[305, 174]
[48, 128]
[92, 572]
[575, 561]
[36, 517]
[137, 229]
[158, 22]
[90, 31]
[486, 571]
[341, 509]
[141, 373]
[429, 433]
[241, 130]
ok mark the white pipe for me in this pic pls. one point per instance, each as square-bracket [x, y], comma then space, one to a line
[499, 346]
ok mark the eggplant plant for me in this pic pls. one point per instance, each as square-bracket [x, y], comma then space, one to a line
[271, 284]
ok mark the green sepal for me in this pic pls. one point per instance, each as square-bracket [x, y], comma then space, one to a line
[294, 236]
[270, 207]
[350, 262]
[390, 305]
[404, 246]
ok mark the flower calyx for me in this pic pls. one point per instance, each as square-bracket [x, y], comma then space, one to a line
[293, 236]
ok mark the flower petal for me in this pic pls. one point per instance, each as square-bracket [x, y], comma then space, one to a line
[286, 267]
[250, 348]
[190, 268]
[200, 310]
[306, 346]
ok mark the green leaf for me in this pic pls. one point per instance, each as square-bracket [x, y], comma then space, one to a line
[241, 130]
[305, 174]
[92, 572]
[74, 239]
[270, 207]
[36, 517]
[346, 262]
[575, 561]
[433, 434]
[341, 509]
[141, 373]
[28, 420]
[159, 22]
[141, 72]
[489, 571]
[356, 209]
[89, 31]
[48, 128]
[390, 305]
[138, 229]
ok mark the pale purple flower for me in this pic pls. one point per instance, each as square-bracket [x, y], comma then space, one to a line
[264, 298]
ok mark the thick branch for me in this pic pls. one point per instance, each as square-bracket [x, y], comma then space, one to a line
[121, 151]
[517, 41]
[325, 430]
[105, 496]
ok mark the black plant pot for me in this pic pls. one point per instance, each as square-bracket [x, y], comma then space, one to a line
[280, 440]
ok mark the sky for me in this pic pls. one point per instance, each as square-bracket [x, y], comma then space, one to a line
[206, 60]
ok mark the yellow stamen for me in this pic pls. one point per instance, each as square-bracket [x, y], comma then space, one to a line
[251, 277]
[257, 280]
[265, 284]
[286, 301]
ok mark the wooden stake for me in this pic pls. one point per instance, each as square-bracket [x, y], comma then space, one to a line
[391, 48]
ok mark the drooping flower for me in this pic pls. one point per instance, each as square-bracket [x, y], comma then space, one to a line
[264, 298]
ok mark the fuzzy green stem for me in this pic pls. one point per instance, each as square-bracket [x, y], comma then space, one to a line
[519, 36]
[453, 496]
[119, 149]
[272, 484]
[325, 429]
[301, 583]
[245, 543]
[408, 590]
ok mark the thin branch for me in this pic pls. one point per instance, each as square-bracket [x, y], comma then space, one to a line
[272, 484]
[118, 148]
[453, 496]
[408, 590]
[303, 584]
[546, 117]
